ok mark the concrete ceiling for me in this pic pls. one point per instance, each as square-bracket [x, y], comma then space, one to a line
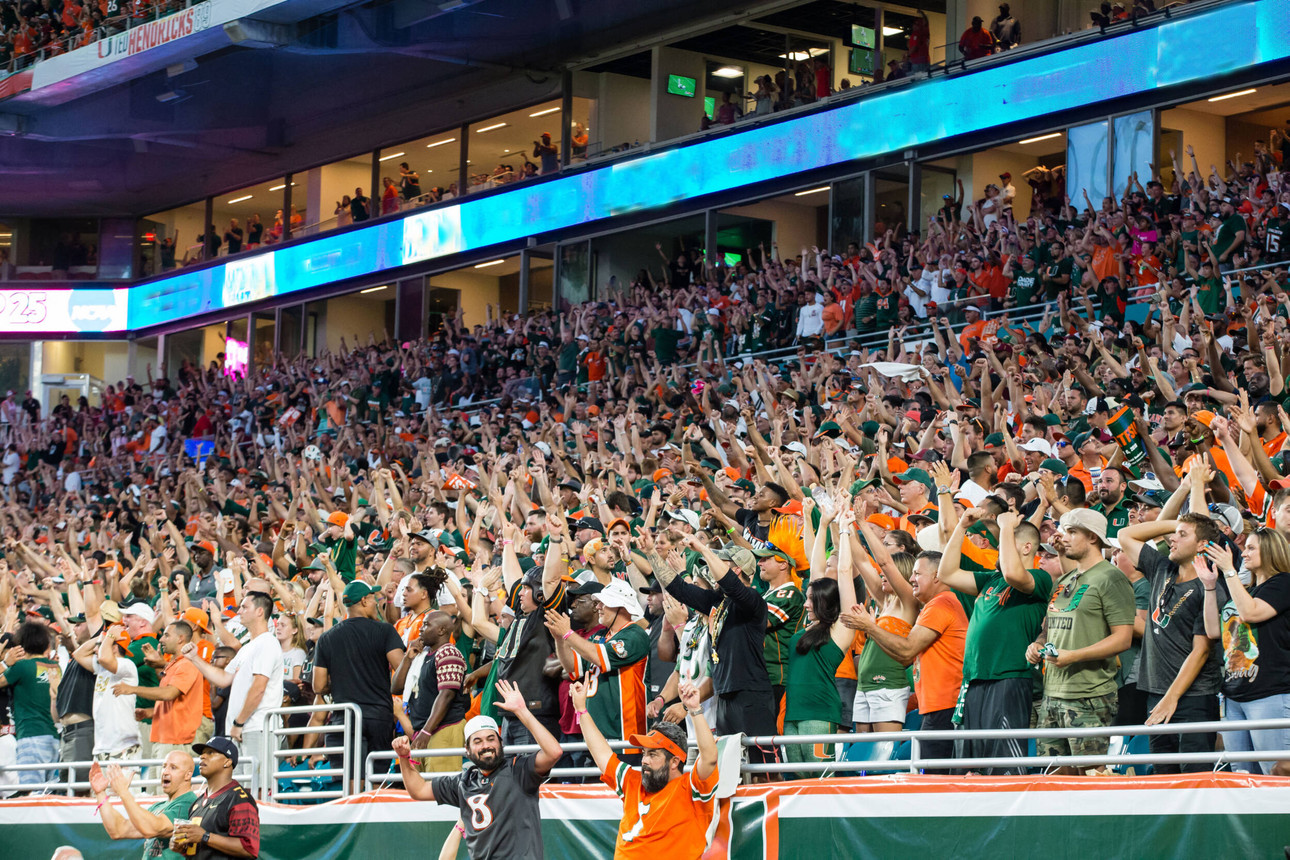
[373, 75]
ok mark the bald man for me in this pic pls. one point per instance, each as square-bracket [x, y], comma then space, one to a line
[155, 823]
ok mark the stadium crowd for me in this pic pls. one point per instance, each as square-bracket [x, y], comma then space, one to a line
[915, 515]
[31, 29]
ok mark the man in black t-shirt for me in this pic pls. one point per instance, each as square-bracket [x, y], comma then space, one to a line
[496, 794]
[1178, 667]
[358, 210]
[353, 662]
[225, 818]
[522, 655]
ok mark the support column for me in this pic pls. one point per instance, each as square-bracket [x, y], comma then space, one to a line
[463, 166]
[374, 193]
[523, 299]
[286, 209]
[566, 117]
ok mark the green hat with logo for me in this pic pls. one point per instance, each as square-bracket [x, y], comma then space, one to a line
[862, 484]
[772, 551]
[356, 591]
[830, 429]
[1056, 466]
[918, 476]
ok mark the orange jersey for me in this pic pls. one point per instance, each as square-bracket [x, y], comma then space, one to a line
[409, 626]
[676, 822]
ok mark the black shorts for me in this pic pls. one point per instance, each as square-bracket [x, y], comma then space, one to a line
[999, 704]
[749, 713]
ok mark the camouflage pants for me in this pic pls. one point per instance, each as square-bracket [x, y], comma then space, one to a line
[1092, 712]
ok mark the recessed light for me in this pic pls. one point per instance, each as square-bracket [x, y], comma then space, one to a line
[282, 186]
[391, 155]
[240, 199]
[1233, 95]
[490, 263]
[543, 112]
[374, 289]
[439, 143]
[492, 127]
[812, 191]
[1041, 137]
[892, 31]
[728, 72]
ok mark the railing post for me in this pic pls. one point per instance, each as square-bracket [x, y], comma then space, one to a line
[915, 753]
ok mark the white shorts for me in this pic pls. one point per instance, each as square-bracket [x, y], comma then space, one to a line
[880, 706]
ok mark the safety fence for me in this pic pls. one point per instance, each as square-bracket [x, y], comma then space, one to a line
[146, 774]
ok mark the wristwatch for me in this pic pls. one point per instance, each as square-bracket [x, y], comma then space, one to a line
[238, 725]
[206, 838]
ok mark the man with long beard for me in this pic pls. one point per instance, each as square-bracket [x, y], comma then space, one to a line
[666, 812]
[497, 795]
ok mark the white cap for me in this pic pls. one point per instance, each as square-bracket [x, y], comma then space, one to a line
[480, 723]
[1037, 444]
[142, 610]
[618, 594]
[685, 515]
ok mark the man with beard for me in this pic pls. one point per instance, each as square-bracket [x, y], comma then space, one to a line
[1111, 488]
[664, 808]
[225, 820]
[1089, 623]
[497, 796]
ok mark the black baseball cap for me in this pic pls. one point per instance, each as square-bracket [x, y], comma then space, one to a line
[222, 745]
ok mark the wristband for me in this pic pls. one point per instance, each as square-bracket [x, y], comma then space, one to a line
[577, 715]
[1211, 589]
[567, 634]
[697, 712]
[676, 627]
[459, 828]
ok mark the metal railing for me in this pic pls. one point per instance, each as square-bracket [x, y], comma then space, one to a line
[374, 777]
[246, 772]
[273, 751]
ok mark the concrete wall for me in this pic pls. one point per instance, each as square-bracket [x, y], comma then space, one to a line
[475, 291]
[352, 315]
[106, 360]
[671, 115]
[1204, 132]
[334, 181]
[620, 111]
[796, 227]
[980, 169]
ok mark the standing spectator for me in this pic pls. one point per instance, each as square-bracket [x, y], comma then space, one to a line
[1006, 617]
[1179, 667]
[547, 154]
[225, 818]
[920, 44]
[254, 231]
[34, 679]
[156, 823]
[935, 646]
[666, 812]
[976, 42]
[1005, 29]
[496, 794]
[727, 112]
[233, 237]
[1089, 623]
[409, 182]
[352, 662]
[116, 734]
[1255, 629]
[389, 197]
[177, 712]
[358, 207]
[75, 701]
[615, 663]
[436, 705]
[254, 678]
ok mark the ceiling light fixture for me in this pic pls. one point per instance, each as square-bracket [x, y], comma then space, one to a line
[1041, 137]
[892, 31]
[811, 191]
[546, 111]
[439, 143]
[392, 155]
[1226, 96]
[374, 289]
[728, 72]
[491, 263]
[282, 186]
[492, 127]
[240, 199]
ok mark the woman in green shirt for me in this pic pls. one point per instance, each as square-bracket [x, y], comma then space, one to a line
[34, 681]
[812, 706]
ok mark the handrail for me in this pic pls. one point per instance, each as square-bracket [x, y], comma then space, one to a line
[245, 768]
[272, 752]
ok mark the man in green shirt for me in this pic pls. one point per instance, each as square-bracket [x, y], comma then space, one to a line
[785, 613]
[34, 681]
[1090, 623]
[1209, 286]
[665, 341]
[886, 305]
[155, 823]
[1231, 233]
[1007, 616]
[341, 539]
[1111, 491]
[1025, 282]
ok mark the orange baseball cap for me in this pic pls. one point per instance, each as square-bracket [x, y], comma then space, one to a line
[660, 474]
[197, 618]
[206, 545]
[338, 518]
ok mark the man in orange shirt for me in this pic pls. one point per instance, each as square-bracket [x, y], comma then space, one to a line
[934, 646]
[200, 622]
[664, 808]
[178, 713]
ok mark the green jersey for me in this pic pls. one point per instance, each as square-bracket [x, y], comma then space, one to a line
[1084, 608]
[1116, 518]
[1226, 236]
[1210, 295]
[147, 674]
[34, 681]
[786, 609]
[1023, 288]
[175, 809]
[344, 554]
[1005, 620]
[812, 693]
[616, 700]
[887, 308]
[665, 341]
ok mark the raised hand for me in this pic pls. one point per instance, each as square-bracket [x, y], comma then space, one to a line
[557, 623]
[511, 698]
[691, 697]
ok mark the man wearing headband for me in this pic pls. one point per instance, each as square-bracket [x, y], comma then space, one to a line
[497, 794]
[664, 808]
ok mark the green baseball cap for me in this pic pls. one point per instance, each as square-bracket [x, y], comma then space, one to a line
[356, 591]
[994, 440]
[863, 484]
[772, 551]
[919, 476]
[830, 429]
[1052, 464]
[1052, 420]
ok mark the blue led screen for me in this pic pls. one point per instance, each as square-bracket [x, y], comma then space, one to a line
[917, 114]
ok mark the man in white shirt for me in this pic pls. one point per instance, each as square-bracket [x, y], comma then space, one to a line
[116, 734]
[254, 678]
[810, 319]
